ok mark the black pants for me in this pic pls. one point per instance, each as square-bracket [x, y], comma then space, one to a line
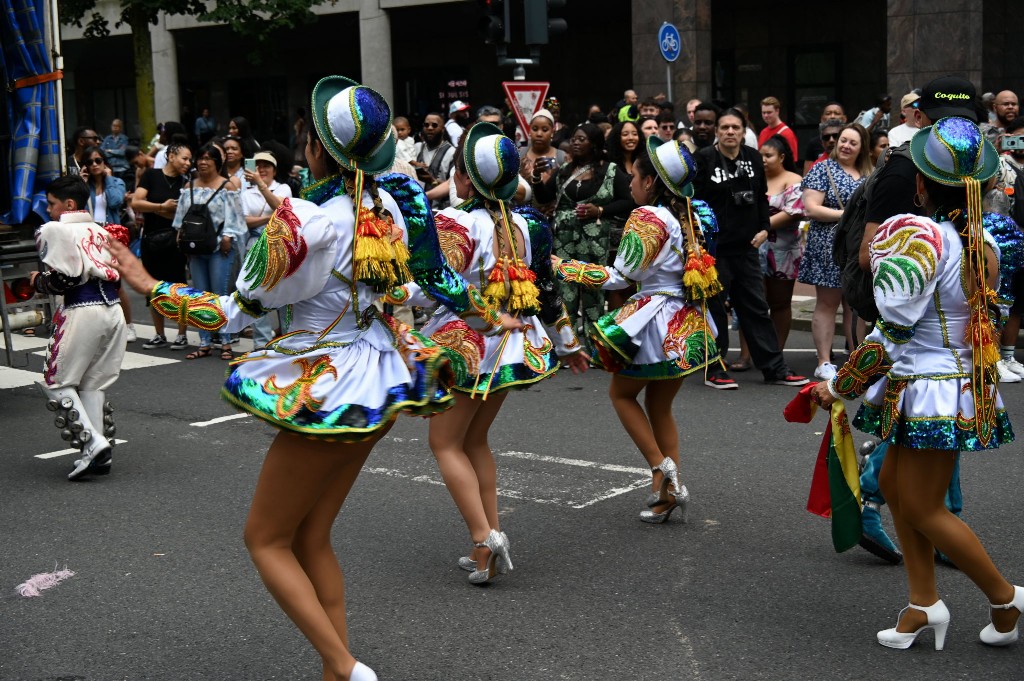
[743, 284]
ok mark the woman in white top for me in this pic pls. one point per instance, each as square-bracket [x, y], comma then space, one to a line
[260, 198]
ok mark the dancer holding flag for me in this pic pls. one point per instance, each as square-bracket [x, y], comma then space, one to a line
[927, 374]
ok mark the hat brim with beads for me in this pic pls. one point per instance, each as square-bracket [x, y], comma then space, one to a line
[354, 124]
[952, 150]
[673, 164]
[492, 162]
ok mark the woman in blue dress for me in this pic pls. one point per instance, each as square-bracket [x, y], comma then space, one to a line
[826, 189]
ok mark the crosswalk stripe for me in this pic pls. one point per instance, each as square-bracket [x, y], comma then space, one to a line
[72, 450]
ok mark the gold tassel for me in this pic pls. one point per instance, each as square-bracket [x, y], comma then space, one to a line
[524, 291]
[496, 291]
[400, 263]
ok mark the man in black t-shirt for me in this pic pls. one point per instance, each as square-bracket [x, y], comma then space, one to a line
[156, 198]
[730, 178]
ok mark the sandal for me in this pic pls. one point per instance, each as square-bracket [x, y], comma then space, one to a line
[742, 365]
[226, 354]
[199, 352]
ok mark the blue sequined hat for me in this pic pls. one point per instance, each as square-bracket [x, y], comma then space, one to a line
[953, 149]
[674, 164]
[354, 124]
[492, 162]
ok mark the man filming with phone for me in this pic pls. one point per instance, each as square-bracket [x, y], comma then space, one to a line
[434, 156]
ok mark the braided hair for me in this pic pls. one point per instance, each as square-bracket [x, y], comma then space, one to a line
[678, 206]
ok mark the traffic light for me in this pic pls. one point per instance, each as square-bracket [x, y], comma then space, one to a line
[494, 25]
[539, 25]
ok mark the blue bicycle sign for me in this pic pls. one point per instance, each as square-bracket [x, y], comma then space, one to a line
[669, 42]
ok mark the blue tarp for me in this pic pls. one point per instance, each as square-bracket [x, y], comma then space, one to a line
[32, 110]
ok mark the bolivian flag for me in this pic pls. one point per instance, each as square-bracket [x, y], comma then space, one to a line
[835, 485]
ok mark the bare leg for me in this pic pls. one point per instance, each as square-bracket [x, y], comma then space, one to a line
[823, 323]
[482, 459]
[658, 404]
[779, 293]
[298, 483]
[313, 549]
[922, 477]
[447, 442]
[624, 392]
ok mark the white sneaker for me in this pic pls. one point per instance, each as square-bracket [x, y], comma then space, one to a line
[131, 338]
[1006, 375]
[825, 371]
[1013, 365]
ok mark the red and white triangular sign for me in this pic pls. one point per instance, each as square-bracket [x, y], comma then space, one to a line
[526, 100]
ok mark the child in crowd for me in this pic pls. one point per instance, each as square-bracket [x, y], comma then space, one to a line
[405, 148]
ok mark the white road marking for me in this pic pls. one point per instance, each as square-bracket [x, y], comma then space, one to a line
[19, 342]
[136, 360]
[575, 462]
[636, 484]
[16, 378]
[219, 419]
[65, 452]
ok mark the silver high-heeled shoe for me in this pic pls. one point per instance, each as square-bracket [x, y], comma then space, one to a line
[938, 620]
[990, 636]
[678, 500]
[497, 542]
[468, 563]
[670, 475]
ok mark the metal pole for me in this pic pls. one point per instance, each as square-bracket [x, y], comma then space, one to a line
[668, 80]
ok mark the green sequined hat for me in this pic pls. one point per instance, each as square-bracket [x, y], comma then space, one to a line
[354, 124]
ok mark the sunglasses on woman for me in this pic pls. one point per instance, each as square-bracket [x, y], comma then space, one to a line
[95, 161]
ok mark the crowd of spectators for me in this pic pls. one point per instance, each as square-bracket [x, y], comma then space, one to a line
[578, 176]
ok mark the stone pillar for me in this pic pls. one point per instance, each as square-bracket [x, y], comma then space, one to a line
[691, 73]
[927, 40]
[375, 48]
[166, 96]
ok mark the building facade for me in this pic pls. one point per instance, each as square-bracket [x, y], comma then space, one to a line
[423, 53]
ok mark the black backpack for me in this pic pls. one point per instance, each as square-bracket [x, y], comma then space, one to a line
[198, 236]
[856, 282]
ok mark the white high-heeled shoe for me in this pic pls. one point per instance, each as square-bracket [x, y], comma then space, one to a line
[990, 636]
[938, 619]
[362, 673]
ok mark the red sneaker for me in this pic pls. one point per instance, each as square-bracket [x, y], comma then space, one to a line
[719, 380]
[788, 379]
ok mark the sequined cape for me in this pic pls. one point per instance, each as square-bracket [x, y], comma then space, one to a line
[491, 362]
[915, 369]
[657, 334]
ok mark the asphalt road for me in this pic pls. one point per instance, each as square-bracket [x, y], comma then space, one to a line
[749, 588]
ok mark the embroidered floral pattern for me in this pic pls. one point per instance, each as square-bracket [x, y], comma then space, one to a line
[905, 254]
[535, 358]
[576, 272]
[465, 348]
[279, 251]
[642, 239]
[455, 242]
[686, 337]
[865, 363]
[188, 306]
[292, 398]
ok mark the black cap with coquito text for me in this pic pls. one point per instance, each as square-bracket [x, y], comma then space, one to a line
[948, 96]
